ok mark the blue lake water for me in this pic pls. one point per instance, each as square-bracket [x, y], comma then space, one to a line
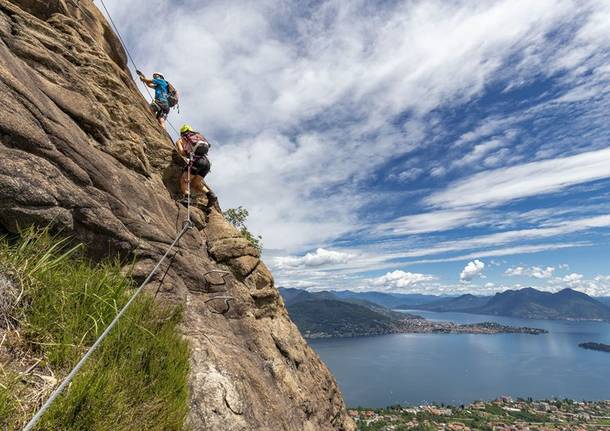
[460, 368]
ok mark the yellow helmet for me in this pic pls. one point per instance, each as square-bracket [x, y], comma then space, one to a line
[185, 128]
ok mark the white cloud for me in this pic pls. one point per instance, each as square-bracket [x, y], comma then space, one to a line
[515, 272]
[598, 285]
[471, 270]
[318, 258]
[305, 105]
[502, 185]
[427, 222]
[572, 280]
[533, 271]
[478, 152]
[408, 175]
[291, 112]
[400, 279]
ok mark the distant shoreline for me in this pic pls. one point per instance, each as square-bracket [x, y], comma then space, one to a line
[503, 414]
[472, 313]
[424, 326]
[600, 347]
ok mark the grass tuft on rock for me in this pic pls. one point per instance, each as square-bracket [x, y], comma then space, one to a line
[58, 304]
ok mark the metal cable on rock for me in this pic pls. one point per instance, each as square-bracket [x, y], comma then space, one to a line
[118, 33]
[187, 225]
[101, 338]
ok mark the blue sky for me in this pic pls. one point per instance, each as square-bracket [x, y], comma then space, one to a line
[405, 146]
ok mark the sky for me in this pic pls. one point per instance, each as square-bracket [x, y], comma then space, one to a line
[439, 147]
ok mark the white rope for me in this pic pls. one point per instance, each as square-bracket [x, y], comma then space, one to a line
[92, 349]
[188, 196]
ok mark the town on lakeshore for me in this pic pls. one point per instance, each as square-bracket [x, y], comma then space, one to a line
[503, 414]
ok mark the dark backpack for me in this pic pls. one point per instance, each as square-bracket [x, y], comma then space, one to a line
[172, 95]
[195, 144]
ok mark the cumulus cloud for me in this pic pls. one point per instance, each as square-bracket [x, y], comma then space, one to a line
[572, 280]
[400, 279]
[598, 285]
[533, 271]
[314, 259]
[471, 270]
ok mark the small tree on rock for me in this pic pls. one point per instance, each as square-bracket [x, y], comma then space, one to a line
[237, 217]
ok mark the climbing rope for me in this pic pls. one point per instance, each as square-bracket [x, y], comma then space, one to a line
[122, 41]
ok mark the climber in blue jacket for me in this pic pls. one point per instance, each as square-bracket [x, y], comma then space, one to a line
[163, 93]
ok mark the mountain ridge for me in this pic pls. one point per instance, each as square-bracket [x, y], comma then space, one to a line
[324, 315]
[526, 303]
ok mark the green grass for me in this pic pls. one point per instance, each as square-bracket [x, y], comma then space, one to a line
[138, 377]
[8, 404]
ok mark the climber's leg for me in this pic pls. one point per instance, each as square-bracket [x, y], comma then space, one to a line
[184, 183]
[198, 185]
[161, 111]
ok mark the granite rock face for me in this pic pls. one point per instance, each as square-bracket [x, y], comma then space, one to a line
[80, 151]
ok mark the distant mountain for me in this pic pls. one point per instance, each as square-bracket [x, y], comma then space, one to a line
[463, 303]
[388, 300]
[527, 303]
[595, 346]
[324, 314]
[534, 304]
[338, 318]
[604, 299]
[292, 295]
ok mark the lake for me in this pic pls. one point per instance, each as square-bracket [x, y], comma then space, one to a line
[413, 369]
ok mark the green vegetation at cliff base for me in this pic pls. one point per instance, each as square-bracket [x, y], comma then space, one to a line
[504, 414]
[54, 305]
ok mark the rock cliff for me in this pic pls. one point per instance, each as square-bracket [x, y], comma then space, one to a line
[80, 151]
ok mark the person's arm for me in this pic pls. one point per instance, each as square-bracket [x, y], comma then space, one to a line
[180, 149]
[148, 82]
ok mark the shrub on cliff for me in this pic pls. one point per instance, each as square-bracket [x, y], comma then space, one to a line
[238, 217]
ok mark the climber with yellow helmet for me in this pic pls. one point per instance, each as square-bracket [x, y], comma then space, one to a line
[193, 147]
[166, 95]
